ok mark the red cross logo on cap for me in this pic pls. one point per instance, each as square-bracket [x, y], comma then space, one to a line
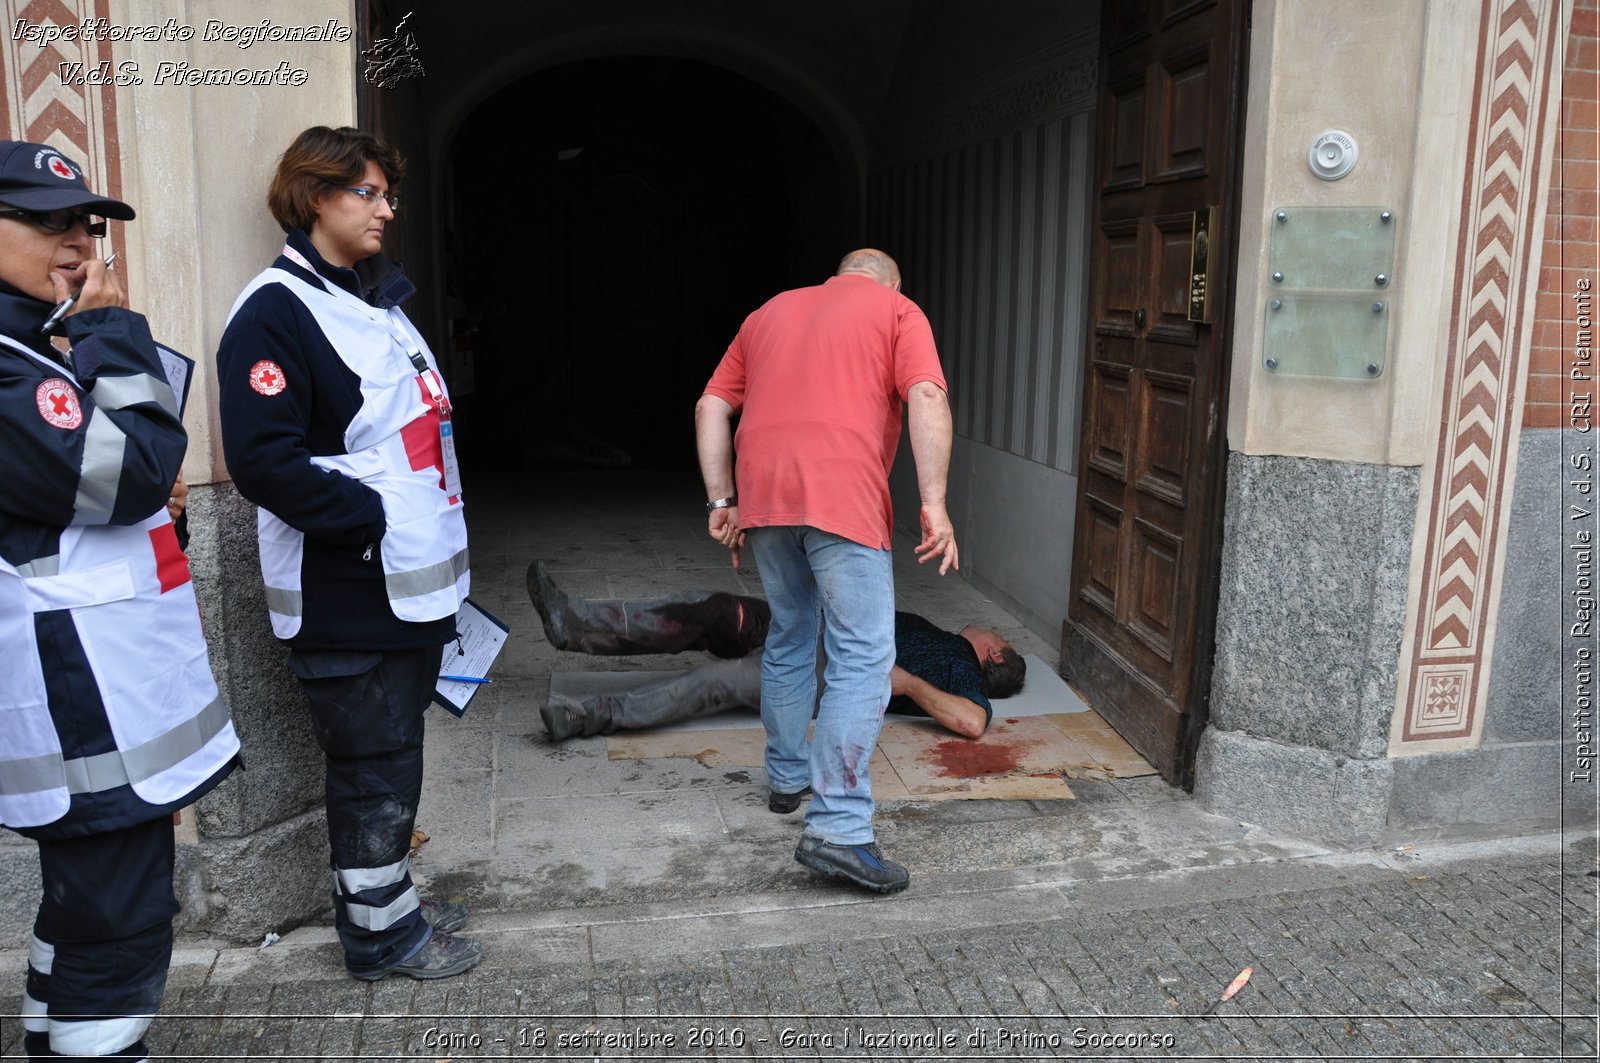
[58, 404]
[59, 167]
[267, 378]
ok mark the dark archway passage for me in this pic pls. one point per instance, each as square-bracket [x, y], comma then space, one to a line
[609, 224]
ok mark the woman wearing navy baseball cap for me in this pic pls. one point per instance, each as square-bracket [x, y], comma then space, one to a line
[109, 718]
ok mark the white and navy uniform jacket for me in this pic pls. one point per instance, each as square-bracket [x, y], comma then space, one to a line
[330, 403]
[109, 716]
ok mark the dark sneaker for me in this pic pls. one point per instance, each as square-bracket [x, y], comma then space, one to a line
[446, 917]
[443, 956]
[551, 603]
[566, 717]
[862, 864]
[783, 803]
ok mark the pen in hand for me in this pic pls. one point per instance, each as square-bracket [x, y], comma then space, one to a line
[466, 679]
[64, 307]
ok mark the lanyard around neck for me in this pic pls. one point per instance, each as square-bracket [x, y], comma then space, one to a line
[429, 379]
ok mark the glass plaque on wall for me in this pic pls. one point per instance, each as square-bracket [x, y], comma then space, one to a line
[1329, 285]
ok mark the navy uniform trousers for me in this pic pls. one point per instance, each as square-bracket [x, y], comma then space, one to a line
[103, 941]
[366, 710]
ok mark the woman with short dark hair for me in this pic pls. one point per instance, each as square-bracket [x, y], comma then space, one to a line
[336, 423]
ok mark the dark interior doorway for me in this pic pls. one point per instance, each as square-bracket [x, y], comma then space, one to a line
[611, 222]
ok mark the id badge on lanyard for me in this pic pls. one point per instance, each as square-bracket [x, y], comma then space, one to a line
[447, 437]
[429, 378]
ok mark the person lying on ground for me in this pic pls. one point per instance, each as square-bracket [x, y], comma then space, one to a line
[947, 676]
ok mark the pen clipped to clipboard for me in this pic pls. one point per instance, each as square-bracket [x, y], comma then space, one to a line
[464, 665]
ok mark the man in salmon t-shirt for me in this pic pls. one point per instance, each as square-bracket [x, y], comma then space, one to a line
[818, 376]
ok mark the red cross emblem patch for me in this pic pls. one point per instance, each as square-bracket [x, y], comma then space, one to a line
[59, 167]
[267, 378]
[58, 404]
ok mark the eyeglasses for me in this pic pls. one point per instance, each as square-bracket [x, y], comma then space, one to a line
[59, 221]
[371, 196]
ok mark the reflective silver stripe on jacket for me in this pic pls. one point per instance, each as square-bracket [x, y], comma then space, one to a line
[285, 602]
[107, 771]
[103, 447]
[420, 581]
[40, 566]
[118, 392]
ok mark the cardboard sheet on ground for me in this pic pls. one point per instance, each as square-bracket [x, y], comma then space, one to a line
[915, 759]
[1036, 740]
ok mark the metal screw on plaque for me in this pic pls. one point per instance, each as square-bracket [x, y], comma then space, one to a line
[1272, 363]
[1372, 370]
[1385, 217]
[1377, 308]
[1283, 215]
[1276, 304]
[1277, 278]
[1381, 279]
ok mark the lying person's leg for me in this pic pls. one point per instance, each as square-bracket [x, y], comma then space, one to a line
[704, 691]
[726, 625]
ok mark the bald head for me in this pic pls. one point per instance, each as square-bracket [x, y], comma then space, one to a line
[870, 262]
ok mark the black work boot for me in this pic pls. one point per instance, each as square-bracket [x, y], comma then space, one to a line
[551, 602]
[442, 956]
[566, 718]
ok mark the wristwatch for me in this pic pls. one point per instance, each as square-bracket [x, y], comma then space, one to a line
[722, 503]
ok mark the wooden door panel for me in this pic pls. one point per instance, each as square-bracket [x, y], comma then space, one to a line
[1156, 559]
[1125, 151]
[1101, 551]
[1110, 420]
[1118, 290]
[1183, 87]
[1173, 11]
[1126, 23]
[1142, 606]
[1164, 470]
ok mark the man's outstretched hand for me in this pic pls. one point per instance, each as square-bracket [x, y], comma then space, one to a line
[938, 539]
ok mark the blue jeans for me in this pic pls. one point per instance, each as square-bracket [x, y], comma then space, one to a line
[810, 576]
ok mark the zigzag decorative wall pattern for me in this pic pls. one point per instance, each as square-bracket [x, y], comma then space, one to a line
[81, 120]
[1444, 659]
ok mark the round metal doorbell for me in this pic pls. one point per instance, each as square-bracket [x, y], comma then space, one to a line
[1332, 154]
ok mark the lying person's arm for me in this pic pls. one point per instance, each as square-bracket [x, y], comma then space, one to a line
[961, 715]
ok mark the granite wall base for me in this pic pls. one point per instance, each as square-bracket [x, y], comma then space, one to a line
[1312, 601]
[275, 879]
[1310, 618]
[262, 859]
[1311, 793]
[1525, 675]
[19, 890]
[282, 775]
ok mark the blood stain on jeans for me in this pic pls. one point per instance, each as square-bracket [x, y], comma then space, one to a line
[850, 756]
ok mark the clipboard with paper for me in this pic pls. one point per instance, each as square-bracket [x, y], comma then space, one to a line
[479, 637]
[179, 371]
